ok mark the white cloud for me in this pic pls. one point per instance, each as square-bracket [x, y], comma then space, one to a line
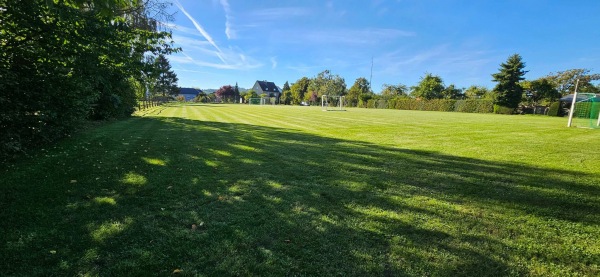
[273, 62]
[229, 32]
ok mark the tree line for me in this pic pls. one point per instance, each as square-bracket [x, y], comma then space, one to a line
[512, 90]
[68, 61]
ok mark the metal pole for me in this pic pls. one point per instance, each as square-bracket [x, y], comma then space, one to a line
[573, 105]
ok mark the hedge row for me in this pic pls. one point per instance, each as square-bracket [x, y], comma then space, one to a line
[443, 105]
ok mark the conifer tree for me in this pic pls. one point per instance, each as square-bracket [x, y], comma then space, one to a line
[508, 90]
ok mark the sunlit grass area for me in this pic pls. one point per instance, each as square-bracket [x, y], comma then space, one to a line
[222, 190]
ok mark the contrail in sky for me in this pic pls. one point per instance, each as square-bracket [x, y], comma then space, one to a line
[201, 30]
[228, 31]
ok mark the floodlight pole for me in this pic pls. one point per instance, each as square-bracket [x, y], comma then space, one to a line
[572, 110]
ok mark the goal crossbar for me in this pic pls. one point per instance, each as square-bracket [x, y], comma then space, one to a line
[332, 103]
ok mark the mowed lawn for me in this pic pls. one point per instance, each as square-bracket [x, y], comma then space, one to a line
[221, 190]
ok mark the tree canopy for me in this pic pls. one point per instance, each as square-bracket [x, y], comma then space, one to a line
[226, 93]
[430, 87]
[67, 61]
[326, 83]
[564, 81]
[391, 91]
[299, 89]
[286, 94]
[361, 86]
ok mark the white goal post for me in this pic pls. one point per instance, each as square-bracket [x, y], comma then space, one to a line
[333, 103]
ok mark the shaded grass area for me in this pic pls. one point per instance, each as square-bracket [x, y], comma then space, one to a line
[268, 200]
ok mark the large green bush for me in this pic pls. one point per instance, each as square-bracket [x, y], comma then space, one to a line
[444, 105]
[503, 110]
[474, 106]
[554, 109]
[62, 65]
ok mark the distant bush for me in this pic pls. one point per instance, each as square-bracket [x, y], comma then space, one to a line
[442, 105]
[554, 109]
[474, 106]
[503, 110]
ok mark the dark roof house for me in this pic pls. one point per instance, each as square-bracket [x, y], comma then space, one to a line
[189, 93]
[268, 88]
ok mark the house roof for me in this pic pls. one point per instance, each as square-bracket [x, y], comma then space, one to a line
[268, 86]
[189, 91]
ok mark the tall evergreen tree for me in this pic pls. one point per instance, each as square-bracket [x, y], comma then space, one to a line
[166, 81]
[508, 90]
[236, 93]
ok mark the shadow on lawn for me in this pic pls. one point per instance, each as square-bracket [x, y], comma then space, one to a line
[277, 202]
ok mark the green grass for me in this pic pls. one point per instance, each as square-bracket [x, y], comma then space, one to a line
[297, 191]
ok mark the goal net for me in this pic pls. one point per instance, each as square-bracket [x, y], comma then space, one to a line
[333, 103]
[586, 111]
[262, 101]
[254, 101]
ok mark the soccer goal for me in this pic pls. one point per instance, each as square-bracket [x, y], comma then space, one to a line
[333, 103]
[262, 101]
[585, 111]
[254, 101]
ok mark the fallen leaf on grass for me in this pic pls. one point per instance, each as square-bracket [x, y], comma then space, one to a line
[177, 271]
[73, 181]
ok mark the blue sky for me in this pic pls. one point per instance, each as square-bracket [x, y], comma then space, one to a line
[464, 42]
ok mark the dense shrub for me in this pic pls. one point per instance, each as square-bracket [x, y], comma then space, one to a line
[554, 109]
[474, 106]
[503, 110]
[62, 65]
[377, 104]
[444, 105]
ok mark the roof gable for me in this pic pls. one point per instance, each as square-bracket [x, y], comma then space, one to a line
[189, 91]
[267, 86]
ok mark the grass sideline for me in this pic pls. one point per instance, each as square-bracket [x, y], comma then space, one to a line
[204, 190]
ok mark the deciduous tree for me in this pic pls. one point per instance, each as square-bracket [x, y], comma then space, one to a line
[390, 91]
[326, 83]
[539, 90]
[299, 89]
[564, 81]
[66, 61]
[478, 92]
[430, 87]
[226, 93]
[452, 92]
[286, 94]
[360, 86]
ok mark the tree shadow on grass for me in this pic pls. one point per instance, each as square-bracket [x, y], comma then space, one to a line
[232, 199]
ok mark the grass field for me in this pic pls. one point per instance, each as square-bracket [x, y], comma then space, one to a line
[221, 190]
